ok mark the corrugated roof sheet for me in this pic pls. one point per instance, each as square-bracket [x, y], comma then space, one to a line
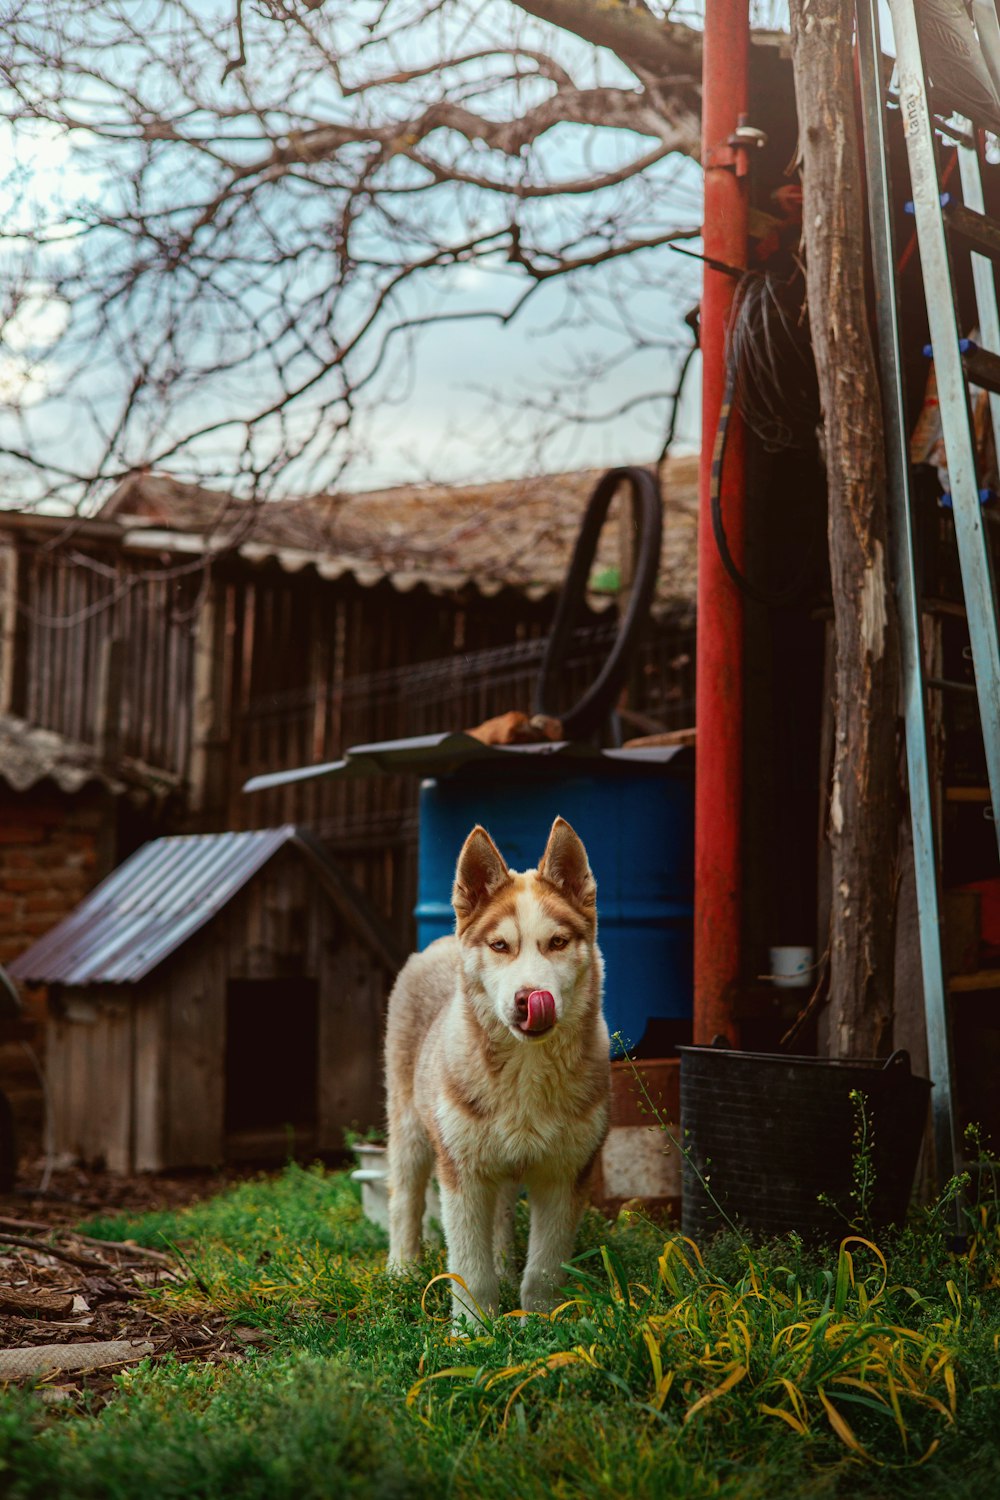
[148, 907]
[517, 533]
[29, 755]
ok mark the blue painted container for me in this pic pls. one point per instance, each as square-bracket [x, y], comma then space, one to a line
[638, 826]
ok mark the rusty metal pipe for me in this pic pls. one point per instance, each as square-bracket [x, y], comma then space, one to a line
[719, 784]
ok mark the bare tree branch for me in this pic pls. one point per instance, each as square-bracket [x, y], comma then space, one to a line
[653, 45]
[236, 245]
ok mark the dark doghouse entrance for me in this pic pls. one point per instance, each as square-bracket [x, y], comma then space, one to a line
[271, 1061]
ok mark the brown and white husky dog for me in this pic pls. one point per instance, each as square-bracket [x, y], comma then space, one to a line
[497, 1069]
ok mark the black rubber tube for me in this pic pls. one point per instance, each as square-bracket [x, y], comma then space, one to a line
[589, 713]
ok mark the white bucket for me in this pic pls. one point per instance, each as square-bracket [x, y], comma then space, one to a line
[792, 967]
[372, 1179]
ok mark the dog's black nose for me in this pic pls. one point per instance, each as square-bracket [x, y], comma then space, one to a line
[521, 1003]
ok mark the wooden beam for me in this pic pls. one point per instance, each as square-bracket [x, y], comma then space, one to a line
[352, 904]
[211, 709]
[110, 684]
[9, 626]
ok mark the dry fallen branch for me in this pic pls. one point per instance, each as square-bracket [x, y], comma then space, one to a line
[129, 1249]
[44, 1247]
[24, 1226]
[33, 1302]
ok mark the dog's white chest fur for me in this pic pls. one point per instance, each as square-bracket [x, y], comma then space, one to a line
[533, 1115]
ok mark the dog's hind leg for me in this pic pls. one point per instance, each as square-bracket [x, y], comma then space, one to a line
[503, 1225]
[410, 1158]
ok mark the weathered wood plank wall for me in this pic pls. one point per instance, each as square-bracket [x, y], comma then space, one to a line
[69, 604]
[251, 669]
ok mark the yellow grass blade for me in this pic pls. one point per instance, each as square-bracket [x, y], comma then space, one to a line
[950, 1386]
[786, 1335]
[733, 1378]
[744, 1334]
[671, 1252]
[861, 1385]
[654, 1356]
[466, 1372]
[617, 1291]
[517, 1391]
[796, 1398]
[507, 1372]
[897, 1411]
[858, 1239]
[663, 1389]
[448, 1276]
[785, 1416]
[845, 1278]
[842, 1427]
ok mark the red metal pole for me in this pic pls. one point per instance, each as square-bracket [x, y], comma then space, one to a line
[719, 780]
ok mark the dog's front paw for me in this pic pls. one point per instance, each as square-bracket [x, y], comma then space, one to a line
[539, 1295]
[401, 1265]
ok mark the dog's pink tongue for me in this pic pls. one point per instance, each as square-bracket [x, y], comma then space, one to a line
[541, 1012]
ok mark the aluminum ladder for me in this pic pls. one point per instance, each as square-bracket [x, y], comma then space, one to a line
[949, 84]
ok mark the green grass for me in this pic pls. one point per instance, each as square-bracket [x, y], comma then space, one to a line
[748, 1371]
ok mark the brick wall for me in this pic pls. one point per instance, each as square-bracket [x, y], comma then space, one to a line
[54, 848]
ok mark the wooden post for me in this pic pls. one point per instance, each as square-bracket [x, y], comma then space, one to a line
[211, 720]
[9, 628]
[110, 685]
[864, 797]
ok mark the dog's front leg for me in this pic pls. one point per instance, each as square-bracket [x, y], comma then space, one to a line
[555, 1211]
[503, 1226]
[468, 1211]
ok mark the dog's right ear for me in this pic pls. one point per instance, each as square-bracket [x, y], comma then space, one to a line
[480, 871]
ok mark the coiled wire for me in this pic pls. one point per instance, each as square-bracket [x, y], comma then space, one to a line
[770, 353]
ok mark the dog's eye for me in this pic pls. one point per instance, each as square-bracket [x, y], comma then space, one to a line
[559, 941]
[498, 945]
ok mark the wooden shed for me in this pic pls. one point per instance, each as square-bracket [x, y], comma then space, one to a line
[214, 999]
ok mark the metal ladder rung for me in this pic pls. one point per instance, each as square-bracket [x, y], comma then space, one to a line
[982, 367]
[973, 227]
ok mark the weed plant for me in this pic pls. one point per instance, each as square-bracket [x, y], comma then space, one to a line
[733, 1369]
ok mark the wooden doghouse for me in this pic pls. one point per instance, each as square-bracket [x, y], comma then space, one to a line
[217, 997]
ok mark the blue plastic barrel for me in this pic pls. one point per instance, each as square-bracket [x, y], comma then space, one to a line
[638, 827]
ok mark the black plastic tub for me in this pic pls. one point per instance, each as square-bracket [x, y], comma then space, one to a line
[774, 1139]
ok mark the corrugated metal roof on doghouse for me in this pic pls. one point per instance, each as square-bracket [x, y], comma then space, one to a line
[148, 907]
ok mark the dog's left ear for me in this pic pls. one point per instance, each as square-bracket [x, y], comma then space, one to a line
[565, 865]
[480, 871]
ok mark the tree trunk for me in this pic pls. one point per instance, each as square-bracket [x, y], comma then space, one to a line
[864, 790]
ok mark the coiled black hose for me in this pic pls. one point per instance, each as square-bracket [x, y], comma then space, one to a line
[592, 710]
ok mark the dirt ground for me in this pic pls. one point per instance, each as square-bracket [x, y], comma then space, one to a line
[60, 1289]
